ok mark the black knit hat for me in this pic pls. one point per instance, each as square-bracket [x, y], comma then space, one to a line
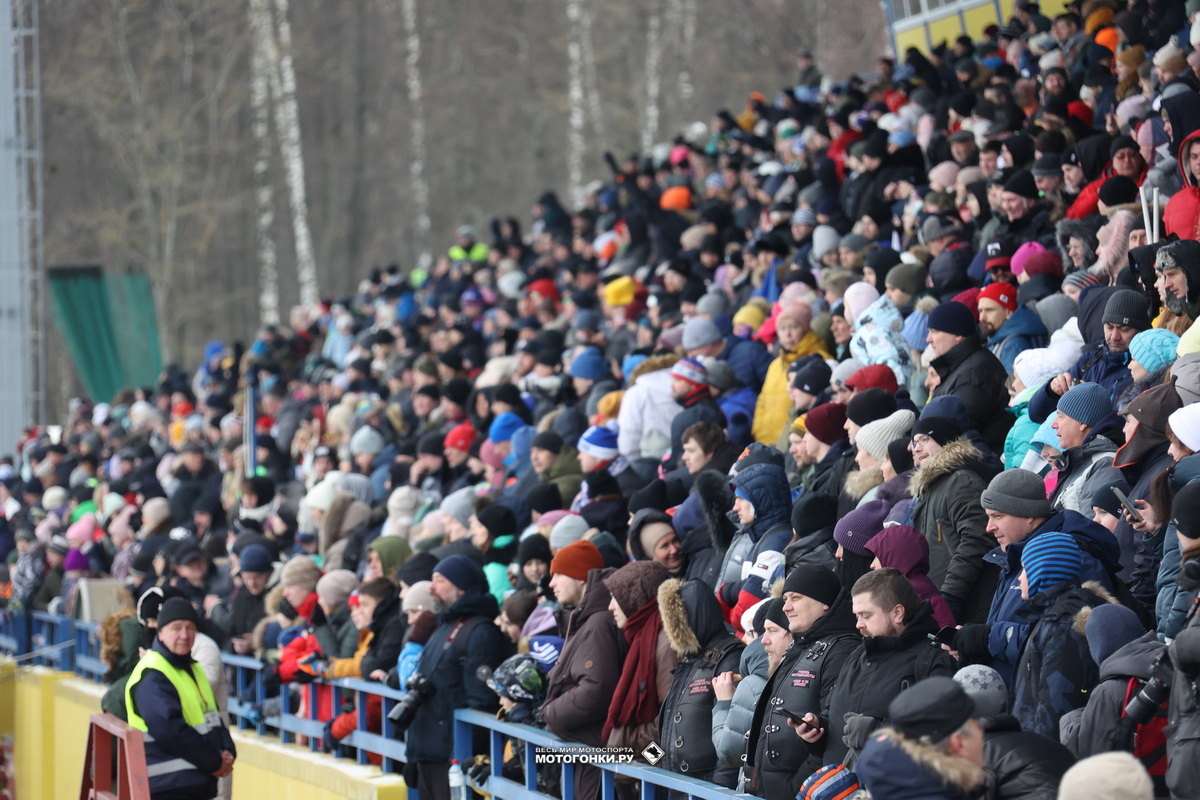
[1118, 190]
[900, 455]
[175, 609]
[548, 440]
[812, 375]
[1122, 143]
[870, 405]
[942, 430]
[457, 390]
[819, 583]
[1127, 308]
[534, 546]
[499, 520]
[544, 497]
[1022, 183]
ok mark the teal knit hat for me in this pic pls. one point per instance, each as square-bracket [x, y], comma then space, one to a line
[1154, 349]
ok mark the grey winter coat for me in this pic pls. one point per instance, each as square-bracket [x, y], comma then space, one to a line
[1085, 469]
[731, 719]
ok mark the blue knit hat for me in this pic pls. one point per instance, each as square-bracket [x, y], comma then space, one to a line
[1154, 348]
[589, 365]
[504, 426]
[1046, 435]
[952, 317]
[1050, 559]
[599, 442]
[1086, 403]
[916, 328]
[461, 571]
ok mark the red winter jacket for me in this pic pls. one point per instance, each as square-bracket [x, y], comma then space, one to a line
[1182, 214]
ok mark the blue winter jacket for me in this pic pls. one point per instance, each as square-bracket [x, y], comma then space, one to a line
[748, 359]
[1020, 332]
[738, 407]
[1007, 630]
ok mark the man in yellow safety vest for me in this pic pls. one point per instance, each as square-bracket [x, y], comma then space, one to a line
[169, 699]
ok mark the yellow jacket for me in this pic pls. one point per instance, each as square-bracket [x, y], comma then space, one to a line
[771, 411]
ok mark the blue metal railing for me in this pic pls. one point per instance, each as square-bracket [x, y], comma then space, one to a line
[74, 646]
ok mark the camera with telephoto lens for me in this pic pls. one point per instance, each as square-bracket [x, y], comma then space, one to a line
[419, 690]
[1147, 703]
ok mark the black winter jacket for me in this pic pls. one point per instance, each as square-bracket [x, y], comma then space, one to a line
[695, 627]
[1026, 766]
[881, 668]
[970, 372]
[802, 683]
[705, 545]
[456, 682]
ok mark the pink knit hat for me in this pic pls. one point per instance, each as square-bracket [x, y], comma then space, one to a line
[1023, 254]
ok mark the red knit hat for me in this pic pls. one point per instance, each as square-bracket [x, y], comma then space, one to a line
[875, 376]
[1047, 263]
[460, 437]
[576, 559]
[827, 422]
[1003, 294]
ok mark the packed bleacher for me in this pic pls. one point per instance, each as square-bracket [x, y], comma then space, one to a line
[848, 445]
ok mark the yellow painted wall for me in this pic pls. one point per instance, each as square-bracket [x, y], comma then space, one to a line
[48, 712]
[949, 27]
[8, 695]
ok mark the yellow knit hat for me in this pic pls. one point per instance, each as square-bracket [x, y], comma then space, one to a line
[620, 292]
[750, 315]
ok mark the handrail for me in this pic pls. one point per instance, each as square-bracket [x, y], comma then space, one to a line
[534, 738]
[130, 781]
[246, 681]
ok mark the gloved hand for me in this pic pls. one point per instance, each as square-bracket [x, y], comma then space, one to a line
[329, 742]
[480, 770]
[858, 728]
[971, 643]
[315, 665]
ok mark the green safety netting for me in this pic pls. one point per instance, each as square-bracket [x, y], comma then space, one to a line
[109, 326]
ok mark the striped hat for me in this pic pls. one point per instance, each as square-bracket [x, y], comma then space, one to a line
[690, 371]
[599, 442]
[1050, 559]
[830, 782]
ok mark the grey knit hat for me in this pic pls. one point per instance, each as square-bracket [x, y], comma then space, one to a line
[1018, 492]
[1087, 403]
[908, 278]
[1129, 308]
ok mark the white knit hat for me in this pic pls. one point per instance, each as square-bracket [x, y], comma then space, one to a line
[1108, 776]
[874, 437]
[1038, 365]
[1185, 424]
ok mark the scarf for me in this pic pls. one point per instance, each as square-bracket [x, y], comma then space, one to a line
[636, 698]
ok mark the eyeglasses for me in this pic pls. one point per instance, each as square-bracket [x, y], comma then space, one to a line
[919, 441]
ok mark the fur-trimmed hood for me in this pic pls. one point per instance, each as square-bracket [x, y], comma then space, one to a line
[652, 364]
[899, 768]
[716, 498]
[344, 515]
[1085, 230]
[959, 454]
[1081, 617]
[691, 616]
[861, 481]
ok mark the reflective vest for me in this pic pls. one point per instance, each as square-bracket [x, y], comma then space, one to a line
[196, 700]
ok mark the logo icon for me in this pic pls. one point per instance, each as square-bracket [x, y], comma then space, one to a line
[653, 753]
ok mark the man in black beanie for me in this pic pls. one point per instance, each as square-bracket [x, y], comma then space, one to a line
[966, 369]
[823, 637]
[1125, 158]
[168, 697]
[1028, 217]
[556, 462]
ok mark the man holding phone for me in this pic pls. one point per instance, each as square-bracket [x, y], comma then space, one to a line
[797, 693]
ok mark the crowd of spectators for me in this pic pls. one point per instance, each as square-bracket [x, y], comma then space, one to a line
[848, 443]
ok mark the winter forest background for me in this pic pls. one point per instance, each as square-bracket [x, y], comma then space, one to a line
[177, 131]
